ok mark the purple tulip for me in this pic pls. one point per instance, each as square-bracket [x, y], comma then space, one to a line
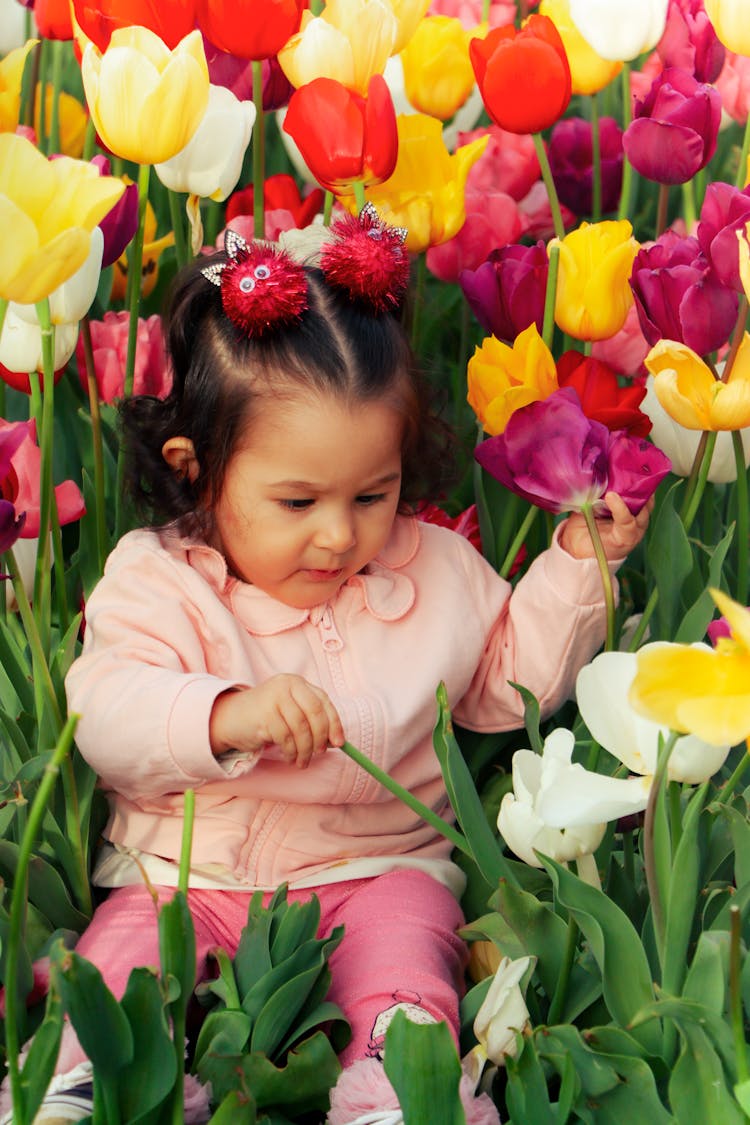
[673, 134]
[690, 42]
[506, 293]
[10, 526]
[120, 224]
[571, 161]
[555, 457]
[678, 296]
[725, 210]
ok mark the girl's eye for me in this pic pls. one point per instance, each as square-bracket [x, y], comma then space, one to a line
[371, 498]
[296, 505]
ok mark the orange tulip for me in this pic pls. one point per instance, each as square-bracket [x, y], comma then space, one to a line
[252, 29]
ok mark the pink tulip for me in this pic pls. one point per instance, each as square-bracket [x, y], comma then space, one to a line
[20, 484]
[725, 210]
[733, 84]
[627, 349]
[491, 221]
[470, 12]
[109, 339]
[508, 164]
[690, 42]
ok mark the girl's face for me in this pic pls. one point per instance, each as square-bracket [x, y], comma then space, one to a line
[311, 498]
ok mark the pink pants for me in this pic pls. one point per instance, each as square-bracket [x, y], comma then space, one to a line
[400, 948]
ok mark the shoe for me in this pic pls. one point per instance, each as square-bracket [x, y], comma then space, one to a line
[63, 1107]
[380, 1117]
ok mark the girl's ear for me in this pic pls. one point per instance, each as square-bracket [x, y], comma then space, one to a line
[179, 453]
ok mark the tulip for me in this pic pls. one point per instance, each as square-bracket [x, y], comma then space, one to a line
[744, 258]
[718, 628]
[570, 153]
[408, 13]
[234, 73]
[523, 75]
[730, 22]
[733, 84]
[253, 29]
[12, 26]
[10, 526]
[171, 20]
[284, 208]
[681, 445]
[536, 207]
[109, 342]
[52, 18]
[620, 29]
[555, 457]
[692, 395]
[146, 101]
[690, 42]
[438, 74]
[502, 378]
[71, 300]
[503, 1012]
[507, 292]
[602, 692]
[425, 193]
[210, 164]
[724, 213]
[491, 220]
[47, 230]
[20, 485]
[153, 248]
[673, 134]
[678, 295]
[21, 349]
[696, 690]
[342, 136]
[509, 163]
[601, 394]
[350, 42]
[119, 225]
[589, 72]
[626, 350]
[11, 77]
[73, 119]
[593, 295]
[533, 819]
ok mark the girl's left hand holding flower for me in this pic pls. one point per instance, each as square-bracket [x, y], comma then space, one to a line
[620, 531]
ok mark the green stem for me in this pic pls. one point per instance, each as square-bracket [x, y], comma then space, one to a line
[485, 10]
[662, 208]
[727, 789]
[649, 856]
[742, 166]
[327, 208]
[452, 834]
[735, 993]
[359, 194]
[561, 987]
[627, 167]
[89, 141]
[741, 592]
[601, 558]
[675, 812]
[3, 310]
[549, 183]
[690, 509]
[518, 541]
[54, 126]
[42, 575]
[688, 204]
[178, 226]
[596, 161]
[259, 155]
[188, 819]
[550, 294]
[17, 915]
[100, 515]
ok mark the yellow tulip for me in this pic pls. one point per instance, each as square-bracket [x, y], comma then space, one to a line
[593, 295]
[589, 72]
[731, 24]
[438, 75]
[146, 101]
[48, 209]
[697, 690]
[11, 77]
[73, 119]
[690, 392]
[408, 14]
[350, 41]
[503, 378]
[425, 194]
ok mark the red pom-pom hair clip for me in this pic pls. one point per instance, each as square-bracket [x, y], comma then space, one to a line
[367, 259]
[261, 286]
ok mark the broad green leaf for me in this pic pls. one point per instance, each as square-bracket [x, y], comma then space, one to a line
[531, 717]
[46, 888]
[684, 1013]
[540, 930]
[298, 925]
[709, 970]
[279, 1011]
[424, 1069]
[693, 625]
[99, 1022]
[223, 986]
[670, 560]
[253, 957]
[683, 895]
[177, 943]
[222, 1033]
[143, 1085]
[42, 1055]
[236, 1109]
[740, 831]
[698, 1089]
[742, 1094]
[301, 1085]
[527, 1095]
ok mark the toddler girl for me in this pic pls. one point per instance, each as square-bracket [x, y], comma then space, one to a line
[285, 599]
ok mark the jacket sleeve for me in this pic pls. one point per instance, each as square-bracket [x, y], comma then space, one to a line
[542, 633]
[141, 686]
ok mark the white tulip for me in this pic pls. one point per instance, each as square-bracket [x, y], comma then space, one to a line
[21, 343]
[12, 26]
[534, 817]
[503, 1012]
[680, 444]
[602, 691]
[620, 30]
[210, 165]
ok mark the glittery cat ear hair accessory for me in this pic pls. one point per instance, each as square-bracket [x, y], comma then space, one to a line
[261, 286]
[367, 259]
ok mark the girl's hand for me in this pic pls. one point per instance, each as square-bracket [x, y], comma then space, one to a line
[285, 711]
[620, 532]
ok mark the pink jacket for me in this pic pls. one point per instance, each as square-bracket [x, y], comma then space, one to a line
[168, 630]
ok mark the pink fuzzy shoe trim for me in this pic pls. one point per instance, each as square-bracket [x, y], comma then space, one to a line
[363, 1089]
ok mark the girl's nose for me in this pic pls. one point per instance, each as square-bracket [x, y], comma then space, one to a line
[336, 533]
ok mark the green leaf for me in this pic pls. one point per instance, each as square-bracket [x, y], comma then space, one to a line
[698, 1090]
[177, 943]
[301, 1085]
[236, 1109]
[695, 621]
[424, 1069]
[46, 889]
[688, 1013]
[683, 895]
[709, 970]
[540, 931]
[16, 668]
[526, 1094]
[670, 560]
[298, 925]
[221, 1033]
[253, 957]
[742, 1094]
[223, 986]
[531, 717]
[99, 1022]
[43, 1051]
[740, 831]
[144, 1084]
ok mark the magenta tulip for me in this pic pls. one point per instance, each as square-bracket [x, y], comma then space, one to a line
[673, 134]
[506, 293]
[120, 224]
[690, 42]
[10, 526]
[570, 154]
[725, 210]
[555, 457]
[678, 295]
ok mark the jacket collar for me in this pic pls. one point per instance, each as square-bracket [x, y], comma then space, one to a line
[384, 592]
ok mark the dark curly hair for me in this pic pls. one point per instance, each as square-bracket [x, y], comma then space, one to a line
[222, 378]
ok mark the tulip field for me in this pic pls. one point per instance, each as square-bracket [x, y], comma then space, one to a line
[573, 177]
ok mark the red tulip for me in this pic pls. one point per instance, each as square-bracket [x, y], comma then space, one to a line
[252, 29]
[601, 396]
[171, 20]
[280, 193]
[523, 76]
[52, 18]
[342, 136]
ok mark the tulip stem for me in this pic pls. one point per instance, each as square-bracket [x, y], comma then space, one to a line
[726, 791]
[518, 541]
[178, 226]
[549, 183]
[327, 208]
[650, 865]
[627, 167]
[561, 988]
[550, 295]
[42, 576]
[601, 558]
[3, 309]
[53, 145]
[741, 592]
[596, 161]
[698, 479]
[662, 209]
[735, 994]
[688, 204]
[100, 515]
[741, 179]
[259, 153]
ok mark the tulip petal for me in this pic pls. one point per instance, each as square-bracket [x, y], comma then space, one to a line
[576, 797]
